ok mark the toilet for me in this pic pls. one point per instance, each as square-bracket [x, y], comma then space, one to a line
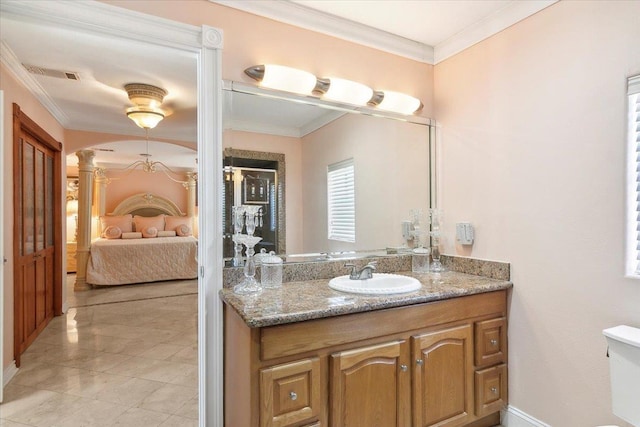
[624, 366]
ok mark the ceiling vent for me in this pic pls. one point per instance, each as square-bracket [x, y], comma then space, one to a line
[67, 75]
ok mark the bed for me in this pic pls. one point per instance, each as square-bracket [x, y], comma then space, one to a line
[122, 261]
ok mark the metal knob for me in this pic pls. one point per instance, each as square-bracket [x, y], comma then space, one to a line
[403, 368]
[494, 390]
[494, 342]
[293, 395]
[419, 362]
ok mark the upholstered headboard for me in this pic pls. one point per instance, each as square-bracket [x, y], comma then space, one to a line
[147, 204]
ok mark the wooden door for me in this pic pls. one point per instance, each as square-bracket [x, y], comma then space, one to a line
[443, 377]
[37, 231]
[370, 386]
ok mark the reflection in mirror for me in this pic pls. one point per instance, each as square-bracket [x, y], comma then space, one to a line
[267, 137]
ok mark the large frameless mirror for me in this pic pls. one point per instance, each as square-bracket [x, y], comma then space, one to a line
[327, 180]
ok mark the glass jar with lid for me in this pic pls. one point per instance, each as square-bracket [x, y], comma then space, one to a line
[271, 271]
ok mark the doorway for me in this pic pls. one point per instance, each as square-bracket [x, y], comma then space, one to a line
[37, 241]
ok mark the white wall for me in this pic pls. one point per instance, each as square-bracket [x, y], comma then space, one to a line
[533, 153]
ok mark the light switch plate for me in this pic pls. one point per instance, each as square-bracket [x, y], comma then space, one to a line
[464, 233]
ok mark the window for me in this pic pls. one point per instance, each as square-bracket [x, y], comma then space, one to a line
[633, 179]
[341, 201]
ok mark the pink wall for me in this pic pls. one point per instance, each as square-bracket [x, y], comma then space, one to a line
[532, 127]
[387, 156]
[292, 150]
[251, 40]
[14, 92]
[142, 182]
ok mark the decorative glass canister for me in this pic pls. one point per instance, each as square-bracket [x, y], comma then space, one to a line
[420, 260]
[271, 271]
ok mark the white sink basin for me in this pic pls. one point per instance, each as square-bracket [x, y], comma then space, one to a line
[380, 283]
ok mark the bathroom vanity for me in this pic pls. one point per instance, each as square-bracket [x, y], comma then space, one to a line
[307, 355]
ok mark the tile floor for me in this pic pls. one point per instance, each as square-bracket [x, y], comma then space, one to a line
[112, 362]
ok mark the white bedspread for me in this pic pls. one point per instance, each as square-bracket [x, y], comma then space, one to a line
[124, 261]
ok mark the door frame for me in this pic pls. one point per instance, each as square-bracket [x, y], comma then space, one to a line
[2, 248]
[206, 43]
[23, 124]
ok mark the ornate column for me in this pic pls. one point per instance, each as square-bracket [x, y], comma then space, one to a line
[99, 199]
[190, 185]
[85, 187]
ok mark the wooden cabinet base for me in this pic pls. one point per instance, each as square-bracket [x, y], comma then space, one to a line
[372, 369]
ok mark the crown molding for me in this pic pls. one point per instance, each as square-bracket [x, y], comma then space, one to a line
[314, 20]
[311, 19]
[98, 17]
[15, 67]
[514, 12]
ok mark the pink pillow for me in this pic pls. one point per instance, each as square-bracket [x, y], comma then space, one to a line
[112, 232]
[142, 222]
[183, 230]
[150, 232]
[171, 222]
[123, 222]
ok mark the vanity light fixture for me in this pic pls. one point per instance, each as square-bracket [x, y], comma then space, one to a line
[289, 79]
[147, 99]
[283, 78]
[346, 91]
[396, 102]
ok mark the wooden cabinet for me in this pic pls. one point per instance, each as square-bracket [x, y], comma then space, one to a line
[369, 386]
[443, 379]
[490, 349]
[290, 393]
[490, 341]
[491, 389]
[408, 366]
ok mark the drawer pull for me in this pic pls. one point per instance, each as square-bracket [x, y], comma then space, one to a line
[403, 368]
[494, 390]
[494, 342]
[293, 395]
[419, 362]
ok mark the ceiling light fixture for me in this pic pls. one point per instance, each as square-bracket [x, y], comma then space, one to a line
[289, 79]
[148, 166]
[147, 99]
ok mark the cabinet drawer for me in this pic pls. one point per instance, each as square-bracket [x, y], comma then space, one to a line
[290, 393]
[491, 342]
[491, 390]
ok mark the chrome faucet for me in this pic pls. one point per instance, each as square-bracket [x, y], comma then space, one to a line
[365, 273]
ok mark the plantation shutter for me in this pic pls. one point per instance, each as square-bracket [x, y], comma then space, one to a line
[634, 139]
[341, 201]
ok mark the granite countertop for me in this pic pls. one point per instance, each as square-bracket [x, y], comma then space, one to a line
[313, 299]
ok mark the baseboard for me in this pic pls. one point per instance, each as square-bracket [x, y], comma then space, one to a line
[65, 307]
[9, 372]
[514, 417]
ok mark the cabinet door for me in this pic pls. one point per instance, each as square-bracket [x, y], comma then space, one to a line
[491, 341]
[443, 377]
[370, 386]
[491, 390]
[290, 393]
